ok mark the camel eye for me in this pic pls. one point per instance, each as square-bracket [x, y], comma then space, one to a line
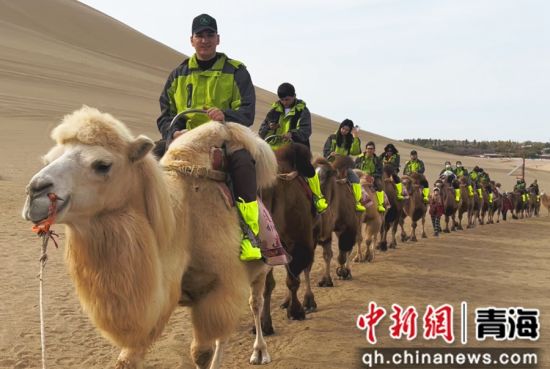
[101, 167]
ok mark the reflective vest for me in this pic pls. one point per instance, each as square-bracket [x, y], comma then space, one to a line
[198, 89]
[368, 164]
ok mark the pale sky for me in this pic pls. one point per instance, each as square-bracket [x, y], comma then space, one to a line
[450, 69]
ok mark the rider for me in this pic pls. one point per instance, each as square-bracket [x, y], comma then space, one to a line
[450, 174]
[210, 80]
[483, 178]
[521, 187]
[415, 165]
[290, 119]
[391, 158]
[535, 187]
[346, 142]
[371, 164]
[460, 171]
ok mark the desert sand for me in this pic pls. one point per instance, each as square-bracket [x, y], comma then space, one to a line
[58, 56]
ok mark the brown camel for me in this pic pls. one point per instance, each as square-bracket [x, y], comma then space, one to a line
[392, 217]
[340, 218]
[545, 201]
[534, 201]
[371, 218]
[414, 206]
[449, 204]
[506, 205]
[466, 205]
[483, 205]
[290, 204]
[518, 211]
[135, 245]
[495, 207]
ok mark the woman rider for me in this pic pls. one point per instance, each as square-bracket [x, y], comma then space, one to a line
[345, 142]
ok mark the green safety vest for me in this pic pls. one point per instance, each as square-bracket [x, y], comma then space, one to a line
[200, 89]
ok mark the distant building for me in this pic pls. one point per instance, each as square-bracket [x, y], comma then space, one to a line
[491, 155]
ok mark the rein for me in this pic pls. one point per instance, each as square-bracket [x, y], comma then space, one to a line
[287, 176]
[196, 171]
[42, 229]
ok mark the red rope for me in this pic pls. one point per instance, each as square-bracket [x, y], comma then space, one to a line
[43, 228]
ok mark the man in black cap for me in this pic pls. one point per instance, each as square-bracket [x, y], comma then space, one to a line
[415, 165]
[290, 119]
[212, 81]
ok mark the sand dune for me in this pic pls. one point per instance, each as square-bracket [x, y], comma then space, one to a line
[60, 54]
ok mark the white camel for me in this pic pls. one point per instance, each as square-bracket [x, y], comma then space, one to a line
[142, 236]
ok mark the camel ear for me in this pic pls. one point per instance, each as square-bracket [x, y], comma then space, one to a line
[139, 148]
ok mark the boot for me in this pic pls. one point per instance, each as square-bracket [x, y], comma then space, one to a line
[357, 192]
[524, 197]
[471, 190]
[320, 202]
[399, 187]
[457, 194]
[480, 193]
[490, 198]
[250, 214]
[426, 193]
[380, 198]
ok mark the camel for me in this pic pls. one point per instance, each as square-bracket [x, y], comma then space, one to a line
[534, 201]
[340, 218]
[290, 204]
[449, 203]
[518, 211]
[392, 217]
[414, 206]
[466, 205]
[371, 218]
[484, 204]
[506, 205]
[135, 243]
[545, 201]
[495, 207]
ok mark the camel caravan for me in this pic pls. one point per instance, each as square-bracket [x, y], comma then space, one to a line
[139, 237]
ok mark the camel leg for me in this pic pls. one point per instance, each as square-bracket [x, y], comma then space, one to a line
[218, 354]
[326, 281]
[393, 243]
[343, 271]
[294, 309]
[446, 230]
[201, 353]
[359, 257]
[413, 231]
[256, 301]
[309, 299]
[267, 324]
[404, 237]
[424, 235]
[130, 359]
[383, 245]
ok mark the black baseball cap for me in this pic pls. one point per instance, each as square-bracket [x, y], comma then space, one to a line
[204, 22]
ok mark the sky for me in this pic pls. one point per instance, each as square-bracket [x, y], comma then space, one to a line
[448, 69]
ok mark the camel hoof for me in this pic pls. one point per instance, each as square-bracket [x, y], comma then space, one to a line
[393, 245]
[344, 273]
[309, 304]
[298, 314]
[424, 235]
[446, 231]
[125, 364]
[326, 282]
[359, 259]
[370, 257]
[459, 228]
[260, 357]
[382, 246]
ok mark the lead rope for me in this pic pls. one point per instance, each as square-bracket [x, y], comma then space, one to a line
[42, 229]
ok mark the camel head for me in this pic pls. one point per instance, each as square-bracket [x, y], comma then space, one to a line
[94, 167]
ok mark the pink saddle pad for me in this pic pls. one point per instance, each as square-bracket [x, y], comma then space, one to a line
[270, 243]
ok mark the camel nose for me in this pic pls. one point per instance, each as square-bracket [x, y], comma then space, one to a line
[38, 186]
